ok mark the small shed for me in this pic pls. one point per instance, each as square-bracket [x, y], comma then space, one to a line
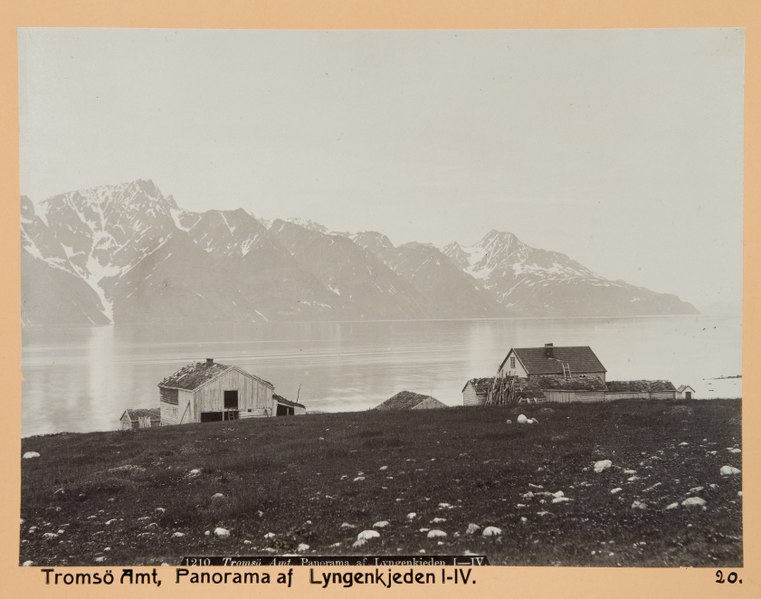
[475, 391]
[685, 392]
[141, 418]
[286, 407]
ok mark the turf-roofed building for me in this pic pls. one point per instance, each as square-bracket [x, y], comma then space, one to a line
[209, 391]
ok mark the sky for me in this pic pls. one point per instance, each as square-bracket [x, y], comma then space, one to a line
[620, 148]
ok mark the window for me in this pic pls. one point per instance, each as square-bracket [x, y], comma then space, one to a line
[231, 400]
[512, 362]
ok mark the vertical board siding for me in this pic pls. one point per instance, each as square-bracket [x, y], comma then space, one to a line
[252, 395]
[471, 398]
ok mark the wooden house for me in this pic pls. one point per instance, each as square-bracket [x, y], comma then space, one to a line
[640, 390]
[685, 392]
[137, 419]
[568, 362]
[209, 391]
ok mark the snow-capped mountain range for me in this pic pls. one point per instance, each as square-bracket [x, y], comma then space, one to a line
[128, 254]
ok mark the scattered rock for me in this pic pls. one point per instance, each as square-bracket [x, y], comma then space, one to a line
[381, 524]
[561, 499]
[221, 533]
[411, 516]
[508, 421]
[694, 502]
[383, 468]
[472, 529]
[178, 534]
[616, 490]
[302, 547]
[438, 520]
[733, 449]
[218, 496]
[358, 478]
[436, 533]
[271, 535]
[639, 505]
[522, 419]
[728, 470]
[194, 472]
[492, 531]
[602, 465]
[30, 455]
[28, 563]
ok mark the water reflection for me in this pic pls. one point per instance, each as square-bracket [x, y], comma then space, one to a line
[81, 379]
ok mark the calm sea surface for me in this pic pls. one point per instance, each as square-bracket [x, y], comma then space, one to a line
[82, 379]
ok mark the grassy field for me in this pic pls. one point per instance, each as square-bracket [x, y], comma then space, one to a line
[319, 480]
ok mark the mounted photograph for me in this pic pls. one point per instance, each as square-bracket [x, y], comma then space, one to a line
[407, 294]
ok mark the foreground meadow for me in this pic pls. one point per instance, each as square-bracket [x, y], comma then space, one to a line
[312, 484]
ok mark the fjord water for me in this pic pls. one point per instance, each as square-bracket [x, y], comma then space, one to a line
[82, 378]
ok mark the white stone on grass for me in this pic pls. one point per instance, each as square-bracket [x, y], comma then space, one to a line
[28, 563]
[522, 419]
[358, 478]
[561, 499]
[217, 496]
[221, 533]
[302, 547]
[381, 524]
[672, 506]
[728, 470]
[638, 505]
[411, 515]
[269, 535]
[733, 449]
[602, 465]
[436, 533]
[492, 531]
[472, 529]
[178, 534]
[694, 502]
[31, 454]
[616, 490]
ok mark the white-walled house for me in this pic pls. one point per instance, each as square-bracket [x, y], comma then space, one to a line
[569, 362]
[209, 392]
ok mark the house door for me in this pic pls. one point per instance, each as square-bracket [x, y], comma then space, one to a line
[688, 394]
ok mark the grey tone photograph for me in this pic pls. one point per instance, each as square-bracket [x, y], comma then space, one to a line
[441, 292]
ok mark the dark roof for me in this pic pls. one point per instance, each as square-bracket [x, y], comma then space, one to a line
[404, 400]
[287, 402]
[640, 386]
[195, 374]
[481, 385]
[580, 359]
[152, 413]
[682, 388]
[571, 383]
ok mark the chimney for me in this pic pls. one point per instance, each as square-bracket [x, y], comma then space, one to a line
[209, 361]
[548, 350]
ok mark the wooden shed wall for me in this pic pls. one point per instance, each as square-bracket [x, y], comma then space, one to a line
[562, 396]
[471, 398]
[613, 395]
[176, 413]
[254, 397]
